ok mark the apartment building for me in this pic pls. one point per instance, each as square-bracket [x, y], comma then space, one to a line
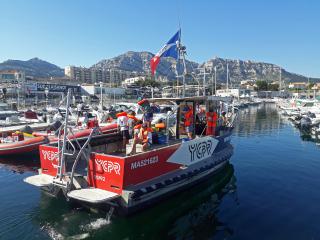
[113, 77]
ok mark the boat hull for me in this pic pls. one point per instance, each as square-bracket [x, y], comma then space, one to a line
[22, 147]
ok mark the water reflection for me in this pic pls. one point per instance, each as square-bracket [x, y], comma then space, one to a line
[261, 119]
[191, 214]
[20, 165]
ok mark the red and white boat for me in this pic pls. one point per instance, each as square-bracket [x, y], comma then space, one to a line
[77, 132]
[92, 171]
[20, 143]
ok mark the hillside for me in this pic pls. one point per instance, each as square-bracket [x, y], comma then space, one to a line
[34, 67]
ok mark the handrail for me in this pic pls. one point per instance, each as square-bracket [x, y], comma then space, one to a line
[94, 130]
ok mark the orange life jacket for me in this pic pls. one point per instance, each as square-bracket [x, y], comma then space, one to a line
[132, 117]
[188, 118]
[144, 134]
[212, 118]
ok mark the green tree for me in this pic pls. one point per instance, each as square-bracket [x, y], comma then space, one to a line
[273, 87]
[148, 82]
[261, 85]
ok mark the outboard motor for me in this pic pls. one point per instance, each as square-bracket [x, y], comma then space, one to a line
[311, 115]
[55, 126]
[305, 123]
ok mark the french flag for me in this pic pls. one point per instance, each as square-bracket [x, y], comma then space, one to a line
[168, 50]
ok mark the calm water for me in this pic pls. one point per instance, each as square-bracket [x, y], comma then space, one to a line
[269, 191]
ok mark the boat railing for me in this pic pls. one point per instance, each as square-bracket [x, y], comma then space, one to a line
[80, 153]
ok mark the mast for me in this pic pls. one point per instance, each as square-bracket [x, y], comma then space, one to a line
[280, 82]
[204, 81]
[215, 80]
[212, 83]
[227, 75]
[181, 53]
[308, 88]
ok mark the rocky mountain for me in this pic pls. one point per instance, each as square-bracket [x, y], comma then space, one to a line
[34, 67]
[140, 62]
[248, 70]
[238, 70]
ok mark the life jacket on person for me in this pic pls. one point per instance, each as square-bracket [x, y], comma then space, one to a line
[188, 118]
[145, 134]
[132, 117]
[212, 119]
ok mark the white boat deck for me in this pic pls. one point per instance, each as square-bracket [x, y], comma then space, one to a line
[92, 195]
[40, 180]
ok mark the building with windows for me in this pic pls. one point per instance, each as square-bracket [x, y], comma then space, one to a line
[113, 77]
[298, 85]
[12, 77]
[132, 81]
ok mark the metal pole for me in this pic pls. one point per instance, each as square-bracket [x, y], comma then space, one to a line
[212, 87]
[308, 87]
[215, 80]
[101, 96]
[65, 133]
[280, 82]
[204, 82]
[227, 76]
[18, 97]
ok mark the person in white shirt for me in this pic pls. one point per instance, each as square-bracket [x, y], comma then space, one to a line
[122, 122]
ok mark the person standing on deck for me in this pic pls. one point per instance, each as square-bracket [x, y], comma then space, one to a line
[147, 112]
[188, 121]
[122, 122]
[212, 118]
[132, 120]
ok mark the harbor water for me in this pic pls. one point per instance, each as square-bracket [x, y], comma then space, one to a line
[270, 190]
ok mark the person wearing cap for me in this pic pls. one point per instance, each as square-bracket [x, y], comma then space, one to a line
[144, 138]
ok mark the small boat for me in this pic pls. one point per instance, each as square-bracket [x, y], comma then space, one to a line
[77, 132]
[20, 143]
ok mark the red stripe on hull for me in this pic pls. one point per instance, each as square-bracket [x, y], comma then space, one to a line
[22, 146]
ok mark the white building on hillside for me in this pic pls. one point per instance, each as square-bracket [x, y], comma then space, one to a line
[132, 81]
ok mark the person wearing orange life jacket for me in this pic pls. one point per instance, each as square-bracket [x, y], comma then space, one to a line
[144, 138]
[188, 121]
[212, 118]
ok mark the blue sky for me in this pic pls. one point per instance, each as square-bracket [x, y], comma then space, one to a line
[79, 32]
